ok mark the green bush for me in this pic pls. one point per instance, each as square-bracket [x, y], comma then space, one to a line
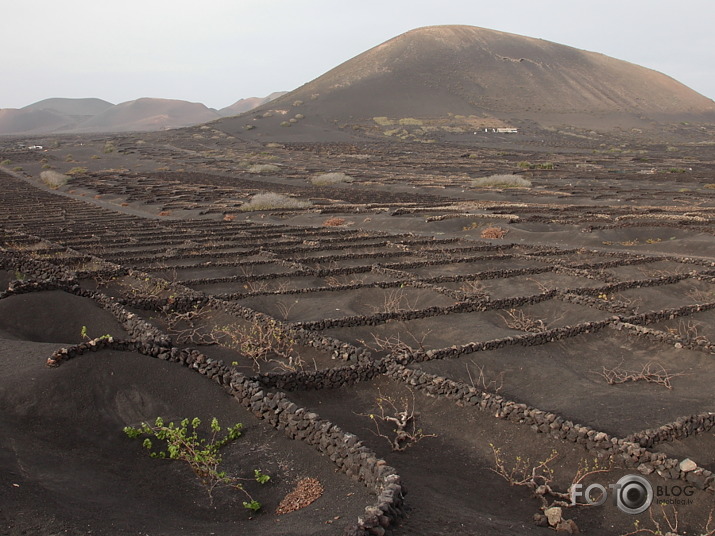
[109, 147]
[501, 181]
[271, 201]
[202, 455]
[327, 179]
[6, 162]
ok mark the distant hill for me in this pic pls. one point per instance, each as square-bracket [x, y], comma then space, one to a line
[445, 79]
[76, 107]
[61, 115]
[245, 105]
[148, 114]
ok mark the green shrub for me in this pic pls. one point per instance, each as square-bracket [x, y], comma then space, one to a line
[501, 181]
[285, 123]
[264, 168]
[109, 147]
[6, 162]
[54, 179]
[326, 179]
[249, 127]
[202, 455]
[272, 201]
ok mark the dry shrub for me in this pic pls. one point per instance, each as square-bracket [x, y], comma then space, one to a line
[54, 179]
[264, 168]
[229, 217]
[501, 181]
[272, 200]
[493, 232]
[334, 222]
[326, 179]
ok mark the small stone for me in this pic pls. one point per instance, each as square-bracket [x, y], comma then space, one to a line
[645, 469]
[554, 516]
[688, 465]
[540, 520]
[567, 526]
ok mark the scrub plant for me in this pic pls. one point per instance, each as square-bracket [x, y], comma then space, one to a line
[182, 442]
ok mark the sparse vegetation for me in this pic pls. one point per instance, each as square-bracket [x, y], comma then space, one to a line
[649, 373]
[501, 181]
[383, 121]
[493, 233]
[327, 179]
[400, 415]
[272, 201]
[529, 165]
[77, 171]
[263, 169]
[54, 179]
[539, 478]
[262, 342]
[334, 222]
[109, 147]
[411, 121]
[518, 319]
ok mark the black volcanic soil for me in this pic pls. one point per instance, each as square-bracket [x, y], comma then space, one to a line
[604, 235]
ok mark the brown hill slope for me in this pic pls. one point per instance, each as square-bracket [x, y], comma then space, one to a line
[74, 107]
[148, 114]
[50, 115]
[435, 73]
[245, 105]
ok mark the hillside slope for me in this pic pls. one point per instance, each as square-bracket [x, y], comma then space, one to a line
[490, 78]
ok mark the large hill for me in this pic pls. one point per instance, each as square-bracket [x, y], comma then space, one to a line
[452, 77]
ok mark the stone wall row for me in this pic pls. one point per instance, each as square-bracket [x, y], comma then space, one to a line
[629, 452]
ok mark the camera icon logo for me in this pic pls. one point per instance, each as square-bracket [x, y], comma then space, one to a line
[634, 494]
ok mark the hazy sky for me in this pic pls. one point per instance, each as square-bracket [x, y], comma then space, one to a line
[217, 51]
